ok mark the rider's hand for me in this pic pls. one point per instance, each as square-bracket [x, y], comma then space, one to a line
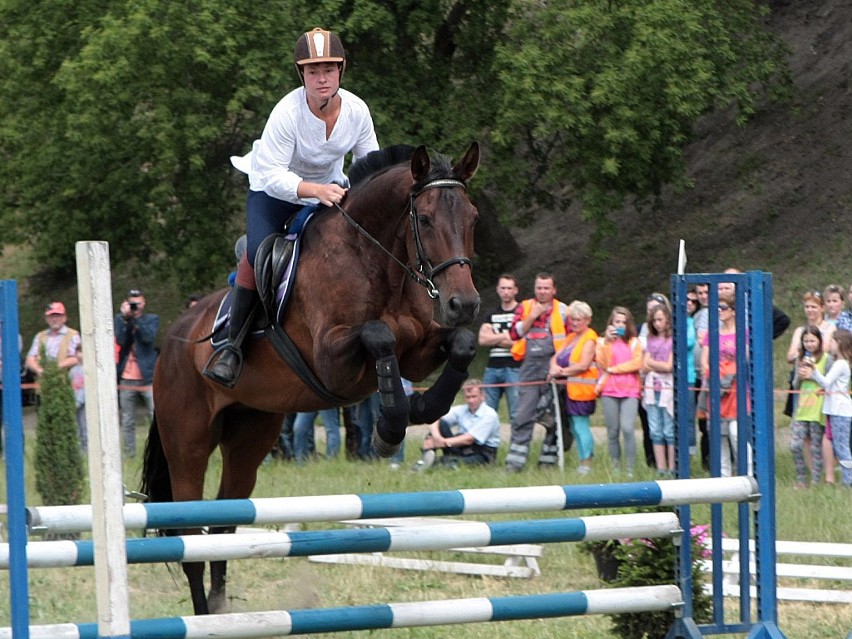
[330, 194]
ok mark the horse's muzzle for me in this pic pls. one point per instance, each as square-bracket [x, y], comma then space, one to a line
[460, 310]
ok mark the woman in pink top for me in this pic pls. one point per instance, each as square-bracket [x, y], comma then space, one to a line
[619, 357]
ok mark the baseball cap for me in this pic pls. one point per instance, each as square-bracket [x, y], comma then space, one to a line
[54, 308]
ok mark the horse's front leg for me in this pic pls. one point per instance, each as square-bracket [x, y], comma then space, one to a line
[460, 349]
[380, 342]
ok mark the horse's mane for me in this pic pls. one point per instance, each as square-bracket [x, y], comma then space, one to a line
[375, 161]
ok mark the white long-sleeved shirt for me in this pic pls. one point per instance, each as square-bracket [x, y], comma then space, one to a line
[836, 385]
[293, 146]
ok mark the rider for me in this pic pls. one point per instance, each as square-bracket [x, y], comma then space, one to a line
[297, 161]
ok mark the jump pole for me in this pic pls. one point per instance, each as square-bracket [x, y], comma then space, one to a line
[263, 545]
[105, 481]
[465, 502]
[394, 615]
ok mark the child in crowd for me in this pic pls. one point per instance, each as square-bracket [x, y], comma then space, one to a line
[837, 404]
[833, 298]
[619, 357]
[659, 389]
[808, 420]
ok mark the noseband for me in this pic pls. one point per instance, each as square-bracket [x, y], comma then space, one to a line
[425, 272]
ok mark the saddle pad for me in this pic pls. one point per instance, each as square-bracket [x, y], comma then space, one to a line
[221, 323]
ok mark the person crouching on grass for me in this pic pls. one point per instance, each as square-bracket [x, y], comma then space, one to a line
[468, 434]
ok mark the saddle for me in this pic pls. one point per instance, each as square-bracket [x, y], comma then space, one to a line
[274, 273]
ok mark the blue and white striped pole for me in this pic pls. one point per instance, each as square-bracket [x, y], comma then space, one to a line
[477, 501]
[395, 615]
[53, 554]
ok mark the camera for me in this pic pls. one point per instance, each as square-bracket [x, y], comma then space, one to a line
[134, 306]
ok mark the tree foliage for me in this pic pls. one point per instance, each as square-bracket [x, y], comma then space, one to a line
[599, 98]
[58, 463]
[119, 117]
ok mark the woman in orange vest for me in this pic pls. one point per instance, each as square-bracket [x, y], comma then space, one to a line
[576, 361]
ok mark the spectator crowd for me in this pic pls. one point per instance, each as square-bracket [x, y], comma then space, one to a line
[538, 346]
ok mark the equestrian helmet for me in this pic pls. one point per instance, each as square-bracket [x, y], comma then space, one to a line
[319, 45]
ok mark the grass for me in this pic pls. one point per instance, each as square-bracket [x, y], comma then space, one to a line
[62, 595]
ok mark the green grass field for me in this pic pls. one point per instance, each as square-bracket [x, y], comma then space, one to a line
[62, 595]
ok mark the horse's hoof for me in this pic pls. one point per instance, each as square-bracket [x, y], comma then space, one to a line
[462, 349]
[217, 602]
[382, 448]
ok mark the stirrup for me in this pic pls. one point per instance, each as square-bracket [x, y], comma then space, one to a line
[214, 359]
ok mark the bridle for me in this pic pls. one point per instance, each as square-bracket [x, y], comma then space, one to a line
[425, 272]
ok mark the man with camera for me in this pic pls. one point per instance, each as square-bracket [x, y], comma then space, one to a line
[135, 334]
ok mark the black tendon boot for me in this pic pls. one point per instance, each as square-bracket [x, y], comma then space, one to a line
[229, 365]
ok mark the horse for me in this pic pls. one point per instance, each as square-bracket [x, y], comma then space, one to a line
[373, 282]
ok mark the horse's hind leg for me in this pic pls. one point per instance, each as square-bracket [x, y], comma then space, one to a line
[247, 437]
[380, 342]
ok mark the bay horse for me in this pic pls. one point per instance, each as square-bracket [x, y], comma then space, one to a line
[362, 313]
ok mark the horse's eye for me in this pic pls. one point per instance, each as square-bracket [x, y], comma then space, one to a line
[424, 221]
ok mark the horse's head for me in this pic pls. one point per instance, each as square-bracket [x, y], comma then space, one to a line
[441, 231]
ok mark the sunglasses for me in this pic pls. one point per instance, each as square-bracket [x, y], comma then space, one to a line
[724, 307]
[691, 300]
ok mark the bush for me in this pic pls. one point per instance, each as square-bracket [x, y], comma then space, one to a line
[58, 462]
[651, 562]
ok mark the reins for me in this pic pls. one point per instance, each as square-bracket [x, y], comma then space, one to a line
[425, 272]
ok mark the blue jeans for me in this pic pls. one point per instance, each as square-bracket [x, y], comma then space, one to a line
[304, 425]
[840, 435]
[127, 403]
[660, 423]
[502, 375]
[366, 417]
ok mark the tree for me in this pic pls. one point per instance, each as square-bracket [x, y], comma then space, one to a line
[598, 98]
[58, 464]
[147, 103]
[119, 117]
[146, 100]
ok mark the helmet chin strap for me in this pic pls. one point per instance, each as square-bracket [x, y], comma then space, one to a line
[327, 102]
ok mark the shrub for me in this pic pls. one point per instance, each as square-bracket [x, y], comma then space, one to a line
[58, 463]
[651, 562]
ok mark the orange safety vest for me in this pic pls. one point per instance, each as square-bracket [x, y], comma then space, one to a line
[582, 390]
[557, 329]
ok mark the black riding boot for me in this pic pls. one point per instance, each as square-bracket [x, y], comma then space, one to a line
[228, 366]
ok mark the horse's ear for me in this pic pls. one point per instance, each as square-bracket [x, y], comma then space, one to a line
[420, 163]
[467, 166]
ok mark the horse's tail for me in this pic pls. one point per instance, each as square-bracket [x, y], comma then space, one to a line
[156, 480]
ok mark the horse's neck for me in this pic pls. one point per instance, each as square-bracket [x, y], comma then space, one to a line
[382, 213]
